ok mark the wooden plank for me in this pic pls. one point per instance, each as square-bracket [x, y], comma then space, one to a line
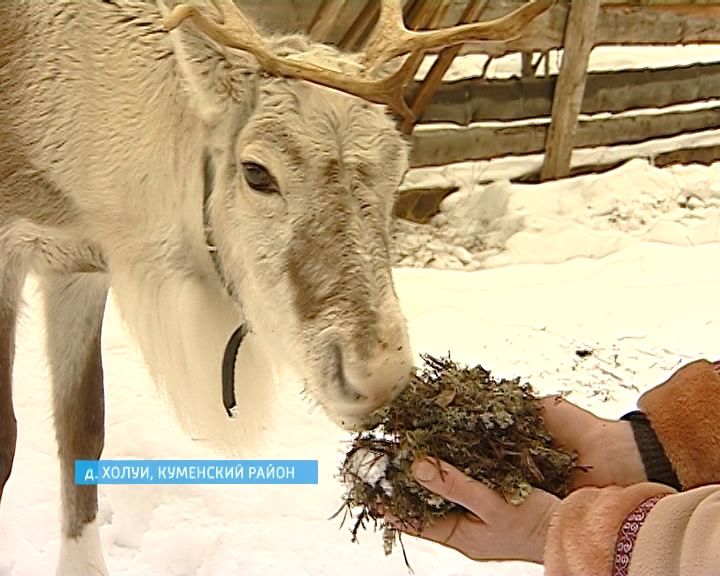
[616, 25]
[570, 87]
[661, 3]
[325, 19]
[479, 100]
[419, 205]
[435, 147]
[527, 65]
[704, 155]
[359, 28]
[655, 22]
[423, 93]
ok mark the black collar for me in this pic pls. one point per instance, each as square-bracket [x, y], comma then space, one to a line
[233, 345]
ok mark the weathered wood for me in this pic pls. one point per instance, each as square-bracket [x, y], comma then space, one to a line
[570, 87]
[705, 155]
[422, 95]
[435, 147]
[325, 19]
[420, 204]
[642, 25]
[657, 22]
[479, 100]
[670, 4]
[358, 29]
[527, 69]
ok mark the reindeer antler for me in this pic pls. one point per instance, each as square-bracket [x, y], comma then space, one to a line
[389, 39]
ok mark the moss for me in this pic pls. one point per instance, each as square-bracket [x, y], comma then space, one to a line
[490, 429]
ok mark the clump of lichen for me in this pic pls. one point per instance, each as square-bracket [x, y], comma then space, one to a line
[490, 429]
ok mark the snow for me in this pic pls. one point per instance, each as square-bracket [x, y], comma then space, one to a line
[602, 58]
[371, 467]
[500, 224]
[624, 265]
[612, 264]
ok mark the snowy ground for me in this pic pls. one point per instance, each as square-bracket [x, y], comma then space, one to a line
[624, 265]
[483, 226]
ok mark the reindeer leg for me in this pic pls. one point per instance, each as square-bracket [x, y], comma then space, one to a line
[10, 286]
[74, 311]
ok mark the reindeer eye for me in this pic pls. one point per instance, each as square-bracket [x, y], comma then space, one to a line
[259, 179]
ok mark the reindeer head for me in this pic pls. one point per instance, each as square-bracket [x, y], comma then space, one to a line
[303, 183]
[300, 215]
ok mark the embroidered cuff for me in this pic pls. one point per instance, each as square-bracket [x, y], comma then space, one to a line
[584, 531]
[628, 534]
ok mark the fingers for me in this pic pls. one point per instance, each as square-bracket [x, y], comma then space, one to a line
[450, 483]
[452, 530]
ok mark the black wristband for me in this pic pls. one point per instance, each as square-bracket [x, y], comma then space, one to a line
[657, 465]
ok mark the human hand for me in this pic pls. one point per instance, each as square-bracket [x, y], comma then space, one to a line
[490, 529]
[607, 453]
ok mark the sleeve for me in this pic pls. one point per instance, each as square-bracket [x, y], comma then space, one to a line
[648, 529]
[683, 413]
[641, 530]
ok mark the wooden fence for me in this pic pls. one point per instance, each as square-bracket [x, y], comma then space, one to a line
[552, 104]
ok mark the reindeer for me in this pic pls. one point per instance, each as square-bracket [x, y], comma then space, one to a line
[215, 178]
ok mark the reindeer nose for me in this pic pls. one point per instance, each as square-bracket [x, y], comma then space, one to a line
[346, 389]
[374, 381]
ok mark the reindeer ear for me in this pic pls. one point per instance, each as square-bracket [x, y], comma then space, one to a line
[216, 79]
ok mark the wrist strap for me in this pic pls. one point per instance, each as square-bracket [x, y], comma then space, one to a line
[657, 465]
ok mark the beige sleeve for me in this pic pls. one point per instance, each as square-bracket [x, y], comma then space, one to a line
[681, 536]
[684, 411]
[584, 531]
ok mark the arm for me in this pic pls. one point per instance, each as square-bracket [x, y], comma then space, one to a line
[671, 440]
[684, 415]
[646, 527]
[641, 530]
[679, 534]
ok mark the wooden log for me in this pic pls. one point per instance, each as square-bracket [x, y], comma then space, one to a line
[358, 29]
[479, 100]
[704, 155]
[527, 70]
[438, 146]
[617, 24]
[423, 93]
[325, 19]
[420, 205]
[654, 22]
[570, 87]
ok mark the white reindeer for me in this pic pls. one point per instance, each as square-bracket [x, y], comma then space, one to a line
[125, 147]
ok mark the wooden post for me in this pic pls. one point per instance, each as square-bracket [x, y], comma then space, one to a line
[570, 87]
[361, 27]
[433, 79]
[325, 18]
[527, 65]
